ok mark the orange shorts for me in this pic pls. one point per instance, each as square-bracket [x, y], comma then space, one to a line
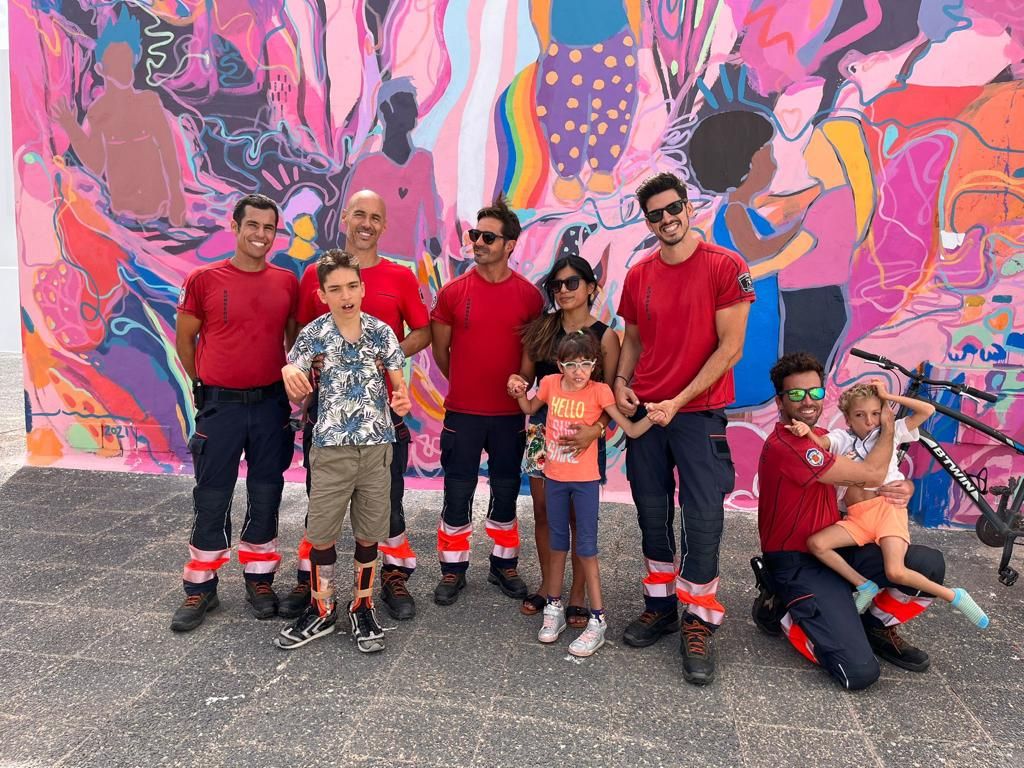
[871, 520]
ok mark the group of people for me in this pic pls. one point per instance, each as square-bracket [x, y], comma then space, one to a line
[666, 385]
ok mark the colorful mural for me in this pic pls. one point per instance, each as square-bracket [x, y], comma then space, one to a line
[865, 156]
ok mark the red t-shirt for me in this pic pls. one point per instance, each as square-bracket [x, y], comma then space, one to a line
[673, 306]
[244, 315]
[486, 348]
[392, 295]
[791, 503]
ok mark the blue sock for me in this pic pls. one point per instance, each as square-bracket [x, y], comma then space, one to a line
[597, 614]
[554, 599]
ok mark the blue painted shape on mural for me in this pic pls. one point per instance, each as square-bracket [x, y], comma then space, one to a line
[889, 138]
[932, 492]
[1001, 299]
[1015, 340]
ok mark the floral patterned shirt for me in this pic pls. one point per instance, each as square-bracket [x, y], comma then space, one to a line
[353, 396]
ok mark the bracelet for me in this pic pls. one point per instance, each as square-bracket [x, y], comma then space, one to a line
[623, 378]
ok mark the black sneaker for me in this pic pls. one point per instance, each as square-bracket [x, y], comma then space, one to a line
[696, 645]
[767, 610]
[295, 603]
[309, 626]
[192, 612]
[396, 595]
[888, 645]
[447, 590]
[261, 597]
[508, 581]
[649, 627]
[367, 633]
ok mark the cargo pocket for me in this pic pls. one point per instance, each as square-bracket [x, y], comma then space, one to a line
[196, 445]
[725, 472]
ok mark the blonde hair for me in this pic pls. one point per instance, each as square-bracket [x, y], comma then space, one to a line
[854, 393]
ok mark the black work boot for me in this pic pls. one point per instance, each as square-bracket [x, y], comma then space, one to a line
[508, 581]
[447, 590]
[261, 597]
[649, 628]
[888, 645]
[192, 612]
[396, 595]
[696, 644]
[295, 603]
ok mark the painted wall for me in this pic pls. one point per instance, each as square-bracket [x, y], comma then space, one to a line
[864, 156]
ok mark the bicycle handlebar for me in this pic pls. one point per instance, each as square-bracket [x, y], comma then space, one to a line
[959, 389]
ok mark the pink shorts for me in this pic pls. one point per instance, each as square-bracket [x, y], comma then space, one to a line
[869, 521]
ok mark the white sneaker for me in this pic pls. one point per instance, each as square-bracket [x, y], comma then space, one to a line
[554, 623]
[590, 639]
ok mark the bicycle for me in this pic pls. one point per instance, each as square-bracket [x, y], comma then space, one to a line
[999, 527]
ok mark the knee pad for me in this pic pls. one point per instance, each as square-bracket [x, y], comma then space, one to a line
[856, 677]
[265, 497]
[211, 501]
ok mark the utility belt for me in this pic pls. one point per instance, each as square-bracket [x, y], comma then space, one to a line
[203, 394]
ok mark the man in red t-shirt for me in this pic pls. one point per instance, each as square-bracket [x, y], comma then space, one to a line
[235, 320]
[797, 498]
[392, 294]
[685, 307]
[476, 322]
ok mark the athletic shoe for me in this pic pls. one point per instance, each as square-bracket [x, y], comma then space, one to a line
[888, 645]
[590, 639]
[192, 612]
[260, 596]
[508, 581]
[396, 595]
[696, 645]
[366, 631]
[295, 603]
[964, 603]
[309, 626]
[447, 590]
[554, 623]
[649, 627]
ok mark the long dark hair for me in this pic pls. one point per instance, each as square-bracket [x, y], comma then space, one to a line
[539, 334]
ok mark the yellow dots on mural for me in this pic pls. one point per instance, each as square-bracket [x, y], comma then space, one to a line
[561, 167]
[623, 104]
[574, 152]
[575, 56]
[616, 79]
[623, 128]
[593, 115]
[974, 301]
[599, 84]
[629, 87]
[553, 49]
[595, 103]
[592, 140]
[593, 162]
[628, 115]
[610, 61]
[555, 138]
[599, 48]
[584, 128]
[551, 78]
[615, 150]
[630, 59]
[627, 41]
[601, 128]
[613, 114]
[570, 125]
[541, 110]
[577, 79]
[572, 102]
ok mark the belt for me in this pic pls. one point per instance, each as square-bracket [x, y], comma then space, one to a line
[788, 559]
[246, 396]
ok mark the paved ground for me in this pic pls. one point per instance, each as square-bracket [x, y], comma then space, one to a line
[89, 574]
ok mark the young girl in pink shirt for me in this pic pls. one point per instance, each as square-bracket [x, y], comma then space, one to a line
[573, 400]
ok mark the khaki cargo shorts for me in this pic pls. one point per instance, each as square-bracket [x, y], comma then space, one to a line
[343, 473]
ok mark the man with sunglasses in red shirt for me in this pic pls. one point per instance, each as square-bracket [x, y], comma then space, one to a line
[685, 307]
[475, 325]
[797, 498]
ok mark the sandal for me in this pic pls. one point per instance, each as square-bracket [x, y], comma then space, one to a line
[576, 616]
[532, 605]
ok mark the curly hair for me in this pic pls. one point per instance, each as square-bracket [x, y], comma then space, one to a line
[795, 362]
[855, 393]
[334, 259]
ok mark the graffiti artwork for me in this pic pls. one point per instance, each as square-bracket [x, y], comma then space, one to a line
[866, 157]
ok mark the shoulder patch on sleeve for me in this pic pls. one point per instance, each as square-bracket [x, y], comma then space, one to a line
[746, 282]
[814, 457]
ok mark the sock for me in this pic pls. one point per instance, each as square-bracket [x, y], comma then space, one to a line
[555, 600]
[597, 613]
[964, 603]
[365, 567]
[321, 579]
[864, 595]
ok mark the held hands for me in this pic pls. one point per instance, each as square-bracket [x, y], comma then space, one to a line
[798, 428]
[661, 413]
[296, 383]
[400, 402]
[625, 398]
[516, 386]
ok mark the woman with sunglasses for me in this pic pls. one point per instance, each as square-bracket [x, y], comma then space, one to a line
[571, 287]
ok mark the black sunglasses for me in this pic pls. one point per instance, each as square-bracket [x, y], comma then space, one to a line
[570, 284]
[659, 213]
[487, 237]
[796, 395]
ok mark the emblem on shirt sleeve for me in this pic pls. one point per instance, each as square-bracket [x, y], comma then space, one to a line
[746, 282]
[181, 296]
[814, 457]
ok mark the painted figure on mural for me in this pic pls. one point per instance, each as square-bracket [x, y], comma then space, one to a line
[403, 175]
[586, 88]
[126, 137]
